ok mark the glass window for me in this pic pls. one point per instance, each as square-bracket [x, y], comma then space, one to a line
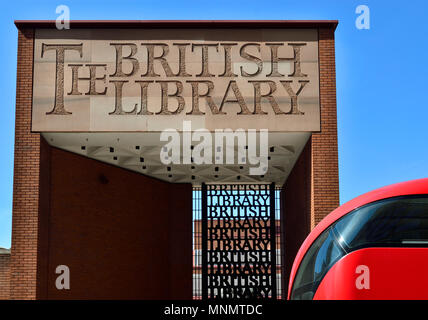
[392, 222]
[324, 252]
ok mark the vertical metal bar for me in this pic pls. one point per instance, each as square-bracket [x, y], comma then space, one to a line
[204, 242]
[273, 237]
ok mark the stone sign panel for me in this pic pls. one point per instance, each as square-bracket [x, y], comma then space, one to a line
[145, 80]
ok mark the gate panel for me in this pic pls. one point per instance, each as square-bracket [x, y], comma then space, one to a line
[238, 241]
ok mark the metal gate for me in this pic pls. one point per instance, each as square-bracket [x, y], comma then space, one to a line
[238, 241]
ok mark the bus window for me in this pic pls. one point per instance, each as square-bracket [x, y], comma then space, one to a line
[393, 222]
[324, 252]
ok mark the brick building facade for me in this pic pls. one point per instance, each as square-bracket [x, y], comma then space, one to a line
[4, 274]
[126, 235]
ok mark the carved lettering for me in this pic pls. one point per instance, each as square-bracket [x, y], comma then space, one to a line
[182, 59]
[296, 60]
[210, 59]
[161, 58]
[60, 50]
[144, 87]
[92, 79]
[293, 95]
[118, 109]
[205, 61]
[252, 58]
[258, 97]
[165, 96]
[228, 60]
[238, 98]
[120, 58]
[196, 95]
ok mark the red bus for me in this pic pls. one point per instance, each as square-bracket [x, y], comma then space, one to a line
[372, 247]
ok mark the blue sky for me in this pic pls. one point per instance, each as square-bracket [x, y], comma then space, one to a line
[381, 89]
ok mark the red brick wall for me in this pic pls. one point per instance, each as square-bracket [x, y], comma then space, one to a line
[25, 179]
[295, 211]
[4, 276]
[44, 213]
[325, 172]
[312, 188]
[123, 235]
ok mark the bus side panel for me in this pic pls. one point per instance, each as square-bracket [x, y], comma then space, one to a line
[377, 273]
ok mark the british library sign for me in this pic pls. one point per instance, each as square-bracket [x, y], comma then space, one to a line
[139, 80]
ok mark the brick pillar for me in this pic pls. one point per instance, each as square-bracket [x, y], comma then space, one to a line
[25, 179]
[325, 176]
[295, 211]
[312, 188]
